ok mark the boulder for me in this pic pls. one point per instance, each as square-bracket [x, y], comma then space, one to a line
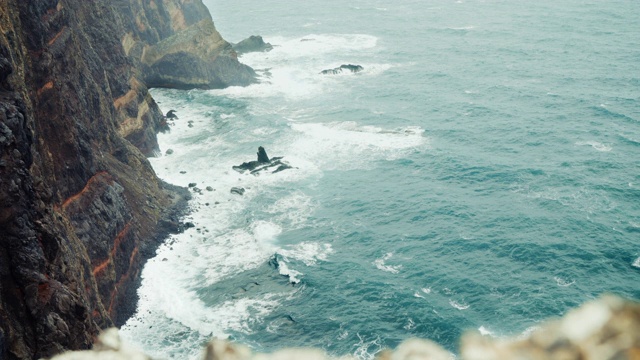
[254, 43]
[342, 68]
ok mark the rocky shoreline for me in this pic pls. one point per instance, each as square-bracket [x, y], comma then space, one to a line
[81, 209]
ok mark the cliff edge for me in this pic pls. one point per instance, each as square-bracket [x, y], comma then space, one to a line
[175, 44]
[80, 206]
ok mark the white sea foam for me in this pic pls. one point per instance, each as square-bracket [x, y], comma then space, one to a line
[485, 332]
[410, 325]
[563, 282]
[380, 264]
[293, 275]
[596, 145]
[636, 263]
[308, 252]
[294, 209]
[366, 349]
[528, 331]
[426, 290]
[458, 304]
[344, 143]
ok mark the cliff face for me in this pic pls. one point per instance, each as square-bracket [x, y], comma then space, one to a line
[176, 45]
[80, 206]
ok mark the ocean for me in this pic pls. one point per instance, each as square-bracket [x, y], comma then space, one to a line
[481, 174]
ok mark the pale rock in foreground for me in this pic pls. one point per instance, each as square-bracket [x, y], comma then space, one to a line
[606, 329]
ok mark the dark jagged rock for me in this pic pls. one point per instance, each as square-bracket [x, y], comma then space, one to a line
[254, 43]
[349, 67]
[171, 114]
[263, 163]
[262, 155]
[237, 190]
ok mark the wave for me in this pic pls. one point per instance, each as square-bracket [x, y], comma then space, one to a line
[380, 264]
[596, 145]
[636, 263]
[459, 305]
[563, 282]
[350, 145]
[485, 332]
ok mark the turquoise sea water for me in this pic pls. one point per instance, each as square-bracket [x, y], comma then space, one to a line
[481, 174]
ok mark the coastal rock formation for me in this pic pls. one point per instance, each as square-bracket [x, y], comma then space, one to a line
[607, 329]
[175, 44]
[263, 163]
[253, 43]
[80, 206]
[342, 68]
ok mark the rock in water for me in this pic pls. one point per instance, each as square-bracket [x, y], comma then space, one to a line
[237, 190]
[349, 67]
[171, 114]
[263, 163]
[254, 43]
[262, 155]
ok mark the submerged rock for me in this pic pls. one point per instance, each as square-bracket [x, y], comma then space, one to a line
[339, 70]
[263, 163]
[254, 43]
[237, 190]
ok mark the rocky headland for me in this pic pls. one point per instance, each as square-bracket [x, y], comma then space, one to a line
[81, 209]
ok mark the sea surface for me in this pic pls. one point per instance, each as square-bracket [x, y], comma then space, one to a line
[481, 174]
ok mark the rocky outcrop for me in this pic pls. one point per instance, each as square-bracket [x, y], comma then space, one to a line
[254, 43]
[80, 206]
[343, 68]
[262, 164]
[175, 44]
[608, 329]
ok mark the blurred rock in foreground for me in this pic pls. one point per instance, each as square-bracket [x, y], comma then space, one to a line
[606, 329]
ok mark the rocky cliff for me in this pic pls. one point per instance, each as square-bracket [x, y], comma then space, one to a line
[80, 206]
[176, 45]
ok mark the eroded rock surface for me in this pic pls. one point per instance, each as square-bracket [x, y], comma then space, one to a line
[175, 44]
[253, 43]
[80, 206]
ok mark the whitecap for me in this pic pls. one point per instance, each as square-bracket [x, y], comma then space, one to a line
[459, 305]
[308, 252]
[562, 282]
[426, 290]
[596, 145]
[636, 263]
[293, 275]
[380, 264]
[418, 295]
[410, 325]
[485, 332]
[346, 141]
